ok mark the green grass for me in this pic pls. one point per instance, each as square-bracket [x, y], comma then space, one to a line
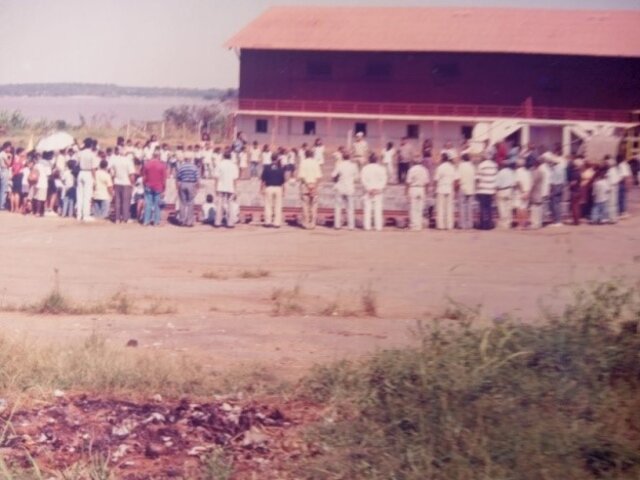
[559, 400]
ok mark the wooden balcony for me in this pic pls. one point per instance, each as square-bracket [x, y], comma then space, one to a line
[435, 110]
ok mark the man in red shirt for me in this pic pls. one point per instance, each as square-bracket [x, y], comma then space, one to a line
[154, 178]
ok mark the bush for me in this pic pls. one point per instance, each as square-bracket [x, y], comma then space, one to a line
[559, 400]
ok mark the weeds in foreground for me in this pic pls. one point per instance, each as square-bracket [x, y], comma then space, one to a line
[58, 303]
[364, 304]
[244, 274]
[94, 365]
[217, 466]
[257, 273]
[369, 300]
[555, 400]
[287, 301]
[159, 308]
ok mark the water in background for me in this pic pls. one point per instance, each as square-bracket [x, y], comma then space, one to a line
[114, 110]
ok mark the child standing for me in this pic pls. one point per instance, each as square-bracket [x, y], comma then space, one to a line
[69, 192]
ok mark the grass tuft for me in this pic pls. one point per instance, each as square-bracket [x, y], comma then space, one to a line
[287, 301]
[558, 399]
[257, 273]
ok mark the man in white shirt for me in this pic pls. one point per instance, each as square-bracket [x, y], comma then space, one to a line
[374, 180]
[44, 171]
[123, 172]
[613, 177]
[309, 175]
[417, 181]
[360, 149]
[345, 174]
[87, 163]
[226, 175]
[207, 160]
[626, 176]
[445, 177]
[467, 179]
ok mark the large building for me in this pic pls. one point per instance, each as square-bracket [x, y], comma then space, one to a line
[542, 76]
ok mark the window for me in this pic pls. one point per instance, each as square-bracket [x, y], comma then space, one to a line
[360, 127]
[317, 69]
[413, 131]
[378, 70]
[262, 125]
[444, 73]
[310, 127]
[467, 132]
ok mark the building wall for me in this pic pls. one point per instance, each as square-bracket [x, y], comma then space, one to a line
[290, 131]
[486, 79]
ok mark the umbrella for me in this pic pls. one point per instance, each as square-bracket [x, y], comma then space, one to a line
[54, 142]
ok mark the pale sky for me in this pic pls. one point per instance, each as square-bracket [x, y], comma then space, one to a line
[168, 43]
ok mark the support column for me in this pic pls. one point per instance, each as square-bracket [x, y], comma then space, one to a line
[525, 135]
[274, 130]
[329, 130]
[566, 141]
[381, 134]
[436, 144]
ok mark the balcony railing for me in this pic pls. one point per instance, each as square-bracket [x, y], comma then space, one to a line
[436, 110]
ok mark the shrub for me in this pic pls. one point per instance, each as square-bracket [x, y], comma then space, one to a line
[511, 401]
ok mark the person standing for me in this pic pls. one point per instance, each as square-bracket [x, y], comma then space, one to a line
[273, 181]
[309, 176]
[574, 177]
[536, 195]
[521, 192]
[486, 174]
[103, 191]
[239, 143]
[374, 180]
[6, 158]
[360, 149]
[227, 175]
[445, 180]
[467, 183]
[154, 179]
[87, 164]
[505, 181]
[187, 184]
[319, 151]
[405, 158]
[613, 177]
[254, 160]
[17, 165]
[123, 172]
[601, 192]
[417, 182]
[388, 158]
[344, 175]
[624, 171]
[557, 181]
[43, 167]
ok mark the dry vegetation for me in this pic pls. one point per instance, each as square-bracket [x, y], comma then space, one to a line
[559, 399]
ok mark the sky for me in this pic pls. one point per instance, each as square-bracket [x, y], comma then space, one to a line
[163, 43]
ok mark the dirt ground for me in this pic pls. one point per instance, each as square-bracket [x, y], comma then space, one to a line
[409, 276]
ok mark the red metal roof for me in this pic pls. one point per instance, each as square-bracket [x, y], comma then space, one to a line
[482, 30]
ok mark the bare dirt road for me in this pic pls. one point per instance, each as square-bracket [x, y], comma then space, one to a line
[409, 275]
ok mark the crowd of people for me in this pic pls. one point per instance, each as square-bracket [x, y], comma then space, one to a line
[127, 182]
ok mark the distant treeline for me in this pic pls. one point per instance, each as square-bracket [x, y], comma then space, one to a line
[109, 90]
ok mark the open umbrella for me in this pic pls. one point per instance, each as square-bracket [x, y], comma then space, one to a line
[54, 142]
